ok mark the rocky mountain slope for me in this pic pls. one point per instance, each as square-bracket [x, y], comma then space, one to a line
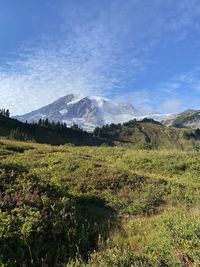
[87, 112]
[189, 118]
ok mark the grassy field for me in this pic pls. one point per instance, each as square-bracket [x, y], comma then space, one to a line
[98, 206]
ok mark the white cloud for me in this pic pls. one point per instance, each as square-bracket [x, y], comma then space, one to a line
[99, 50]
[172, 105]
[141, 99]
[185, 81]
[86, 59]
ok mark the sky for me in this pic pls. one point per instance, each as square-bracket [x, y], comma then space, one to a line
[138, 51]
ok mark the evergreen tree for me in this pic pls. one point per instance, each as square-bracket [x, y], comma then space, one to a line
[53, 124]
[18, 135]
[5, 112]
[46, 122]
[40, 121]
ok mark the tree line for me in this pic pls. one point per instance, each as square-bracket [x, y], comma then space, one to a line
[4, 112]
[61, 126]
[195, 134]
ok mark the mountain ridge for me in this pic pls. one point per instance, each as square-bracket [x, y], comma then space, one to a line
[87, 112]
[187, 119]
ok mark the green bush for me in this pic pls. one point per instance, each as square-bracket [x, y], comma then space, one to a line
[42, 224]
[143, 146]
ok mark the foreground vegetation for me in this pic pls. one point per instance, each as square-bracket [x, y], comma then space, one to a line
[98, 206]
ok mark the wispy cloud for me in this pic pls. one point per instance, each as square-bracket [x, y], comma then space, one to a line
[183, 16]
[181, 92]
[172, 105]
[100, 47]
[185, 81]
[142, 100]
[84, 60]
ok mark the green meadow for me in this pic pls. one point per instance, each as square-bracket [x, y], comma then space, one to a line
[98, 206]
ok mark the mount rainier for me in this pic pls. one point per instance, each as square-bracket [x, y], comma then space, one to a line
[86, 112]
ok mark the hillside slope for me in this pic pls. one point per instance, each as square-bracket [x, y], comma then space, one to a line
[144, 133]
[188, 118]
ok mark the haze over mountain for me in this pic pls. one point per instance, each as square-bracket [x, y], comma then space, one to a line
[87, 112]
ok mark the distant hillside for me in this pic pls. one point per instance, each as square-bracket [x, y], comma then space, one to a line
[14, 129]
[188, 118]
[146, 133]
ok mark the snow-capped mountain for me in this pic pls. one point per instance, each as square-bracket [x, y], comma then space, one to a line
[87, 112]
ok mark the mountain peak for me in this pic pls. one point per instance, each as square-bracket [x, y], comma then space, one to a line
[88, 112]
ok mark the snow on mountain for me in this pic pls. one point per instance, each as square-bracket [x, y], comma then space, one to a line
[87, 112]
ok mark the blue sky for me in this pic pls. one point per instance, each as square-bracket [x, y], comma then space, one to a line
[140, 51]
